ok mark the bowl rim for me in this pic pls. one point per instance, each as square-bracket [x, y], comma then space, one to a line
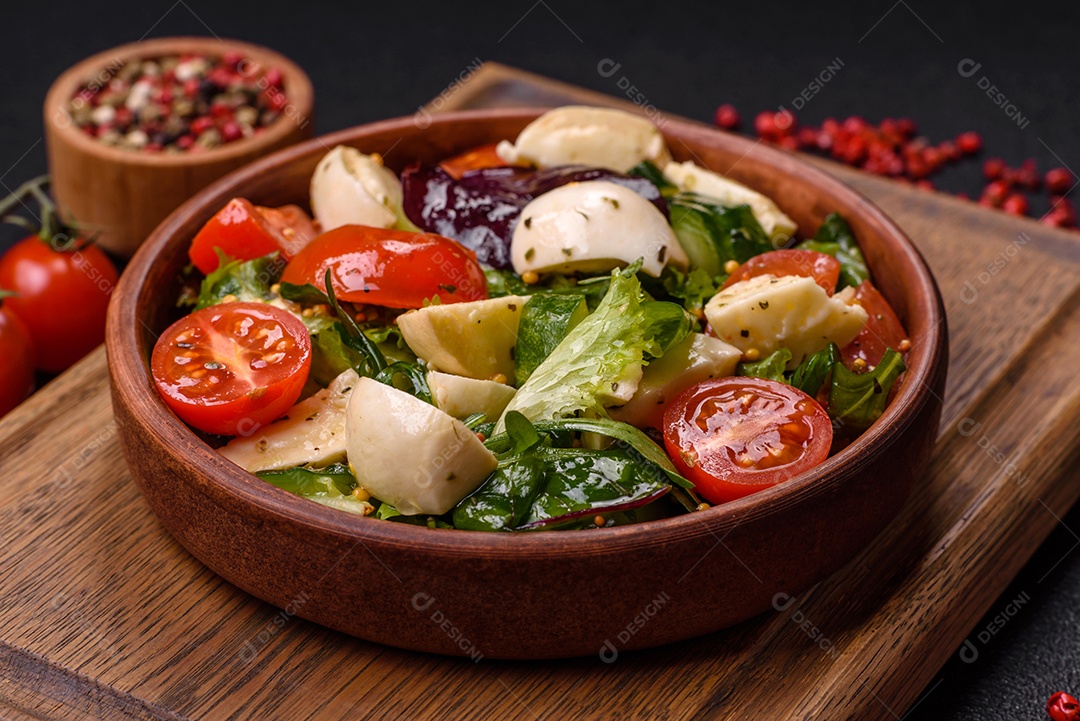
[300, 94]
[230, 484]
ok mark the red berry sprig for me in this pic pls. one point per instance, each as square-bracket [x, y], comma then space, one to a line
[892, 149]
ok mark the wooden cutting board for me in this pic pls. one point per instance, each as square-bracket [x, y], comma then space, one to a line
[103, 615]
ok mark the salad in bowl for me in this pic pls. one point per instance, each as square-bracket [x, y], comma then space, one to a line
[563, 330]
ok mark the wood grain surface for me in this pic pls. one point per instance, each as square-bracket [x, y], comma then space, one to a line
[103, 615]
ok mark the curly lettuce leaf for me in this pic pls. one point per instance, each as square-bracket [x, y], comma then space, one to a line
[599, 363]
[245, 280]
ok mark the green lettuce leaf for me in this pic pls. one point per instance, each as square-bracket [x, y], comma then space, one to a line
[587, 370]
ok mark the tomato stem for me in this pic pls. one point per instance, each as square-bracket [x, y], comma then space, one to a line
[59, 235]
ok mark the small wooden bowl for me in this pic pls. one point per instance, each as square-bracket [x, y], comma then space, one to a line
[126, 193]
[525, 595]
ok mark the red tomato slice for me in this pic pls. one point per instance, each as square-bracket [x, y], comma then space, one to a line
[245, 231]
[295, 228]
[480, 157]
[736, 436]
[391, 268]
[882, 330]
[232, 368]
[824, 269]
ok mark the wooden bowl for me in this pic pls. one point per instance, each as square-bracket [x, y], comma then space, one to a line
[525, 595]
[126, 193]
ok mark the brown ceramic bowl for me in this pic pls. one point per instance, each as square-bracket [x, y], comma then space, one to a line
[124, 194]
[525, 595]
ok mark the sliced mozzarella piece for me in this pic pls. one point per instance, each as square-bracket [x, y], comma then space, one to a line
[593, 227]
[350, 188]
[768, 313]
[461, 397]
[312, 433]
[408, 453]
[695, 179]
[697, 358]
[474, 339]
[583, 135]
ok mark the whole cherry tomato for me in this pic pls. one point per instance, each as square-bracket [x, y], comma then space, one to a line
[62, 286]
[16, 361]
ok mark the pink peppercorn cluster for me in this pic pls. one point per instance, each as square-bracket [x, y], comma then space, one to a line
[892, 148]
[179, 103]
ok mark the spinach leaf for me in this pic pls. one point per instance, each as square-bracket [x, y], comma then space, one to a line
[835, 238]
[811, 374]
[858, 399]
[504, 500]
[771, 367]
[582, 483]
[331, 486]
[628, 436]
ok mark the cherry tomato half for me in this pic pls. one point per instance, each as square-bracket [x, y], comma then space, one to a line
[824, 269]
[62, 297]
[883, 329]
[245, 231]
[480, 157]
[736, 436]
[231, 368]
[391, 268]
[16, 361]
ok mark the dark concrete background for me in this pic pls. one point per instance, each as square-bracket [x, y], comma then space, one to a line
[371, 60]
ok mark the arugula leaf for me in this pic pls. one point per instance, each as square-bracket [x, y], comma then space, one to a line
[601, 359]
[858, 399]
[330, 357]
[373, 360]
[246, 280]
[413, 373]
[835, 238]
[771, 367]
[306, 294]
[811, 374]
